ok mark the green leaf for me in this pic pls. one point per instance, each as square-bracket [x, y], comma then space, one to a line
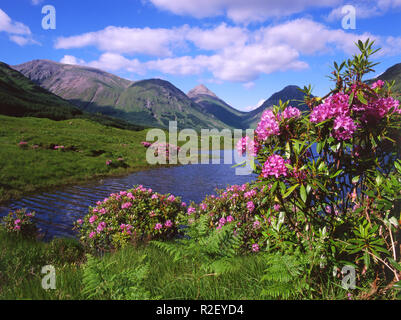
[351, 98]
[290, 190]
[379, 180]
[361, 98]
[336, 174]
[355, 179]
[303, 193]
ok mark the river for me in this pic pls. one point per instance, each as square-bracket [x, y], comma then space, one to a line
[57, 210]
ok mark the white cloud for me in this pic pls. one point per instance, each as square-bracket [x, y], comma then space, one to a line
[237, 53]
[67, 59]
[240, 10]
[217, 38]
[36, 2]
[23, 41]
[12, 27]
[310, 37]
[18, 32]
[249, 85]
[250, 108]
[155, 42]
[365, 9]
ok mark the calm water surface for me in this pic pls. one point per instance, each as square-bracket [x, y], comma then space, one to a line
[57, 210]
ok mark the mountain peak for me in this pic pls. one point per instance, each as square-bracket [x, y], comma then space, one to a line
[200, 90]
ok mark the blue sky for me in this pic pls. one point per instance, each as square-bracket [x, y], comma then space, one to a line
[243, 50]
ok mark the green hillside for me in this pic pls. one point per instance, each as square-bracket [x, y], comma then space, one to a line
[151, 102]
[20, 97]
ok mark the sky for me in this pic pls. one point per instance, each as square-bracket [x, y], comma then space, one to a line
[242, 50]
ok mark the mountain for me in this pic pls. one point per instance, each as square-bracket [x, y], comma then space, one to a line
[290, 92]
[20, 97]
[392, 73]
[212, 104]
[152, 102]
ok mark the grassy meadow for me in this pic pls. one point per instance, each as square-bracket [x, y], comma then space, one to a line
[87, 146]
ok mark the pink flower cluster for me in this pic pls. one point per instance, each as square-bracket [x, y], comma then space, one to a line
[344, 128]
[251, 206]
[267, 126]
[223, 221]
[275, 166]
[126, 205]
[126, 228]
[378, 84]
[101, 226]
[291, 112]
[246, 144]
[333, 106]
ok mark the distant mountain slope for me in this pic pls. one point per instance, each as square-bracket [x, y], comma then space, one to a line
[290, 92]
[151, 102]
[212, 104]
[392, 73]
[21, 97]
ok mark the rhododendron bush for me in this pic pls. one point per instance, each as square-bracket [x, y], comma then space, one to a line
[327, 168]
[136, 215]
[239, 206]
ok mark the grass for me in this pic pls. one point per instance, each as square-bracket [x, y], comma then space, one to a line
[21, 261]
[88, 145]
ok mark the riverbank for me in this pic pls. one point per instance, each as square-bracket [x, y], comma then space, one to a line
[41, 154]
[21, 261]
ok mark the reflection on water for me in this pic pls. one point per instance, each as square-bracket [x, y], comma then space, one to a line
[56, 211]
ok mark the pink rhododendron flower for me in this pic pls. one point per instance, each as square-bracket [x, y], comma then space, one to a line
[203, 206]
[92, 219]
[154, 196]
[158, 226]
[377, 84]
[255, 247]
[275, 166]
[333, 106]
[267, 126]
[291, 112]
[191, 210]
[101, 226]
[18, 221]
[168, 224]
[256, 224]
[92, 234]
[248, 145]
[230, 219]
[251, 206]
[344, 128]
[183, 204]
[222, 221]
[80, 221]
[126, 205]
[276, 207]
[171, 198]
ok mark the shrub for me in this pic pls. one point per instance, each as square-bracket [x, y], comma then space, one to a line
[20, 222]
[334, 173]
[240, 206]
[136, 215]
